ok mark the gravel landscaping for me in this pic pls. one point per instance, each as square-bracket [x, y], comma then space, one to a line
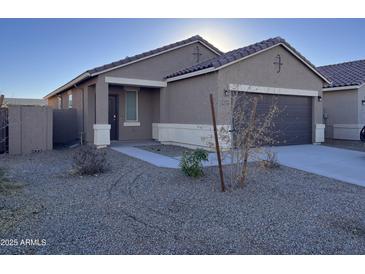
[166, 150]
[136, 208]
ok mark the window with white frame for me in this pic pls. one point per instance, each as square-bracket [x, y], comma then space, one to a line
[131, 105]
[70, 100]
[59, 102]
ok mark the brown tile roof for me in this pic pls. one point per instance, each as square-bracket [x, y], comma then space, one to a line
[344, 74]
[240, 53]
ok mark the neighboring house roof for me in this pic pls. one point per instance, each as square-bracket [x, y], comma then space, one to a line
[345, 74]
[129, 60]
[24, 102]
[240, 54]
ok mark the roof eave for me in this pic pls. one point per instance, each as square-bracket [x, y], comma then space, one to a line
[343, 87]
[191, 74]
[69, 85]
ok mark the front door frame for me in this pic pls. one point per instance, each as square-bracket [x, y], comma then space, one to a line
[116, 135]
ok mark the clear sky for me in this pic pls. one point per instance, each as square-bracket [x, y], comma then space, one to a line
[39, 55]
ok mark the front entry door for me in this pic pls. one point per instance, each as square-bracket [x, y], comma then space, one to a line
[113, 117]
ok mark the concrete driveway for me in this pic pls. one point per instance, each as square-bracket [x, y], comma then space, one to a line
[341, 164]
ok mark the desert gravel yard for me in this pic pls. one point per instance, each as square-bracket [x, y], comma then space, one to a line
[136, 208]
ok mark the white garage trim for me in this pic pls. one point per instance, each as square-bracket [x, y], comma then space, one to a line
[272, 90]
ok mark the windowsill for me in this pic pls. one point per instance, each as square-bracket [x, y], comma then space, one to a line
[131, 124]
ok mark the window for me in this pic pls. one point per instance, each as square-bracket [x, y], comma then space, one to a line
[59, 102]
[70, 100]
[131, 105]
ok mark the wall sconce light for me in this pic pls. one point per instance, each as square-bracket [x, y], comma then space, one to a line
[319, 98]
[363, 102]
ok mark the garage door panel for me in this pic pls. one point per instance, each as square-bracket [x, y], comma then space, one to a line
[294, 123]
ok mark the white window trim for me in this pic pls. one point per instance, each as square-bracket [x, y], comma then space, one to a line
[69, 95]
[131, 122]
[59, 102]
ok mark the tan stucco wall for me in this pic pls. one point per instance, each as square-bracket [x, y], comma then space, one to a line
[187, 101]
[341, 107]
[52, 102]
[345, 110]
[30, 129]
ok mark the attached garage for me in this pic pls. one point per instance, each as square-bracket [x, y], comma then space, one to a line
[271, 68]
[294, 122]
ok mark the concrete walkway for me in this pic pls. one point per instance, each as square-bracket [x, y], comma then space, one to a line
[341, 164]
[147, 156]
[161, 160]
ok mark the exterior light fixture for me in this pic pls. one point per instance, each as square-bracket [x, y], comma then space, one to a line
[363, 102]
[319, 98]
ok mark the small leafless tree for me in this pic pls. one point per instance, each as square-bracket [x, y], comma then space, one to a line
[252, 133]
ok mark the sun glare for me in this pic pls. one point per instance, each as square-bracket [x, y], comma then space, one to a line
[220, 36]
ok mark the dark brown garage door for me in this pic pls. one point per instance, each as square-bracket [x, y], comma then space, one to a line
[294, 123]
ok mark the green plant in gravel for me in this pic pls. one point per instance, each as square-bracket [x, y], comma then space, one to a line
[6, 185]
[191, 162]
[89, 160]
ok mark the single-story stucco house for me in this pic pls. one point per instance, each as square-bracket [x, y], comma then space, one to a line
[344, 99]
[164, 93]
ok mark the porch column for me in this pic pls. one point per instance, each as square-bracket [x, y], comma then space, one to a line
[163, 106]
[101, 126]
[89, 113]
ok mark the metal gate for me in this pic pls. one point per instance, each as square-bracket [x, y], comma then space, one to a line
[4, 131]
[65, 126]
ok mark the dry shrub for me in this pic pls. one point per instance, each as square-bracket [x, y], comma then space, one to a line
[89, 160]
[270, 160]
[252, 132]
